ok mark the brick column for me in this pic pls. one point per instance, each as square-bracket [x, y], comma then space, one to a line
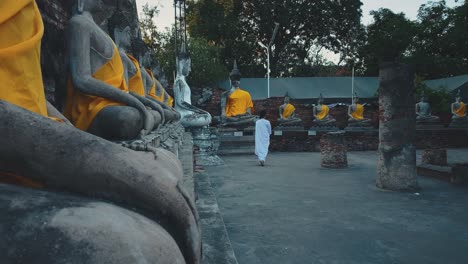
[397, 155]
[333, 150]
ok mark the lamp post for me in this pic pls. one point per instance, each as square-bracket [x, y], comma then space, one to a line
[267, 48]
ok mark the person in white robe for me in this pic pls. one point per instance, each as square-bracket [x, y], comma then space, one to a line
[262, 137]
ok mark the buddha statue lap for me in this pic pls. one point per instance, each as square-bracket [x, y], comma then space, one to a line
[236, 104]
[98, 100]
[288, 116]
[46, 154]
[424, 117]
[321, 112]
[459, 116]
[191, 116]
[356, 114]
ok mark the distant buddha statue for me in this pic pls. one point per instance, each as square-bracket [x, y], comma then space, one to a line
[287, 114]
[236, 104]
[151, 89]
[423, 112]
[356, 114]
[133, 73]
[59, 157]
[459, 116]
[191, 116]
[321, 114]
[98, 100]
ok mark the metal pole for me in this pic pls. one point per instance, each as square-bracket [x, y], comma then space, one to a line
[352, 87]
[268, 70]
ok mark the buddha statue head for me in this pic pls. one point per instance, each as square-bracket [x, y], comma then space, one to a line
[183, 62]
[87, 5]
[355, 98]
[235, 76]
[423, 97]
[286, 99]
[122, 36]
[458, 97]
[320, 99]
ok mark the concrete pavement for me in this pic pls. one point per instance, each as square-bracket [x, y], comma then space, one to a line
[293, 211]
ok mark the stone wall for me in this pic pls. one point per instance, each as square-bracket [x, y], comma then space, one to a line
[300, 141]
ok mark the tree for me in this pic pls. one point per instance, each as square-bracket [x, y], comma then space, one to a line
[388, 38]
[206, 66]
[238, 25]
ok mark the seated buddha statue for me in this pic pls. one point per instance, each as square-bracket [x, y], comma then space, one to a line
[287, 114]
[321, 114]
[191, 116]
[98, 100]
[57, 157]
[236, 104]
[356, 114]
[459, 116]
[423, 113]
[153, 87]
[133, 73]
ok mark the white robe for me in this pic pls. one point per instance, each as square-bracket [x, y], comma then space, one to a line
[262, 138]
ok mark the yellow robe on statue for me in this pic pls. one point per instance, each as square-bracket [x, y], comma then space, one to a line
[238, 103]
[152, 91]
[288, 111]
[358, 113]
[21, 30]
[324, 112]
[461, 111]
[135, 82]
[170, 101]
[81, 109]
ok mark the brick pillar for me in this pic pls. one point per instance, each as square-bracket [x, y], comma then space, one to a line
[333, 150]
[397, 154]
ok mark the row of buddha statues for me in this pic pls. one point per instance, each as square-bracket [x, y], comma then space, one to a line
[321, 113]
[111, 96]
[323, 119]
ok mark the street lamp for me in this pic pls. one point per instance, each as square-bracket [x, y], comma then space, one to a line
[275, 31]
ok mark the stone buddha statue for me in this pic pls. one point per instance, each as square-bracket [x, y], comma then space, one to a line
[459, 116]
[236, 104]
[321, 114]
[151, 89]
[98, 100]
[423, 113]
[287, 114]
[191, 116]
[57, 157]
[356, 114]
[133, 73]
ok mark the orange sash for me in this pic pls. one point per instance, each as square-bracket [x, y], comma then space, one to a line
[135, 83]
[81, 109]
[359, 112]
[238, 103]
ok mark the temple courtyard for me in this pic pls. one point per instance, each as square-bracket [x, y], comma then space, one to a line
[294, 211]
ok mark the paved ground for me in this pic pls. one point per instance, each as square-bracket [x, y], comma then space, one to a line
[293, 211]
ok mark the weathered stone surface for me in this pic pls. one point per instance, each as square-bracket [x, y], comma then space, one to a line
[435, 156]
[333, 150]
[46, 227]
[397, 154]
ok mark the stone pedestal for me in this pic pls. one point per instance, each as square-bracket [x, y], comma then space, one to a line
[435, 156]
[459, 123]
[396, 167]
[333, 150]
[207, 140]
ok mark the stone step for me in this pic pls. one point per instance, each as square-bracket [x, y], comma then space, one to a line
[217, 248]
[236, 150]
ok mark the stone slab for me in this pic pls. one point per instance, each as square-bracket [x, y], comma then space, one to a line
[217, 247]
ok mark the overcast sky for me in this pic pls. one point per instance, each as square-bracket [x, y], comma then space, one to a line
[409, 7]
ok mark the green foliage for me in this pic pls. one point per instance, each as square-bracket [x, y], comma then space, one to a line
[236, 26]
[439, 99]
[206, 66]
